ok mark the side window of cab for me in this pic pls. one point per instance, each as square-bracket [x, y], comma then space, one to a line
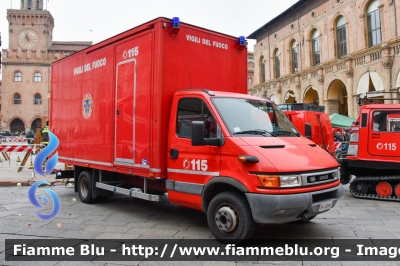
[193, 109]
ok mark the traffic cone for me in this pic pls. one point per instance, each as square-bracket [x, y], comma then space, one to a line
[31, 166]
[18, 160]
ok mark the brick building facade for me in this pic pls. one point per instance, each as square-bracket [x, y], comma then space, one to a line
[26, 66]
[329, 52]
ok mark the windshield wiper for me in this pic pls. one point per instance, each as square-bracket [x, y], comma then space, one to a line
[286, 132]
[255, 132]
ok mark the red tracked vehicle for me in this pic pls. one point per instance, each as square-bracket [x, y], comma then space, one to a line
[374, 154]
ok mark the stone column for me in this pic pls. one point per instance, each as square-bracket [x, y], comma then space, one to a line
[297, 90]
[279, 91]
[387, 65]
[349, 88]
[331, 106]
[321, 93]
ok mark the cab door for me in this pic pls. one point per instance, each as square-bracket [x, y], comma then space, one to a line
[132, 101]
[384, 136]
[190, 167]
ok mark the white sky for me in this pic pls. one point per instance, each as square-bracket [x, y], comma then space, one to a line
[74, 19]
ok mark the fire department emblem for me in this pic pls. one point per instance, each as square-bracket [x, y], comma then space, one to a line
[87, 106]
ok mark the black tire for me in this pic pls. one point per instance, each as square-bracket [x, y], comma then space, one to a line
[85, 187]
[230, 204]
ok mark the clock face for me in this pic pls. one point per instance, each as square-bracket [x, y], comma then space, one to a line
[28, 39]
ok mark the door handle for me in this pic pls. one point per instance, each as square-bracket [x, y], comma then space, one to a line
[117, 112]
[173, 154]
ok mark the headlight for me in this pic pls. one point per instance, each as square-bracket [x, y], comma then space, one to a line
[275, 181]
[290, 181]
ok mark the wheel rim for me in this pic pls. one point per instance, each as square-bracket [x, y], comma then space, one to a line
[397, 190]
[227, 219]
[84, 187]
[362, 187]
[384, 189]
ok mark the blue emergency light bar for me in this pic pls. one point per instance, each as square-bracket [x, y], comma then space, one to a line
[175, 22]
[242, 43]
[176, 25]
[242, 40]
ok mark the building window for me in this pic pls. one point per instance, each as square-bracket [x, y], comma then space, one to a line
[37, 77]
[17, 76]
[295, 66]
[22, 3]
[262, 69]
[37, 4]
[277, 64]
[341, 37]
[374, 24]
[17, 98]
[29, 4]
[37, 99]
[249, 80]
[316, 48]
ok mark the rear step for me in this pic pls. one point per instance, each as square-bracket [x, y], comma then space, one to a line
[132, 192]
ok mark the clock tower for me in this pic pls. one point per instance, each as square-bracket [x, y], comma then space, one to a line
[30, 27]
[26, 66]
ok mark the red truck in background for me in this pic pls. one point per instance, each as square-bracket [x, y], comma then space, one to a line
[130, 121]
[311, 121]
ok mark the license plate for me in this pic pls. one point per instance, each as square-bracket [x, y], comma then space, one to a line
[325, 206]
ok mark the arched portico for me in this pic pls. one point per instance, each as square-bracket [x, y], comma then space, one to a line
[290, 97]
[370, 82]
[17, 125]
[311, 96]
[337, 98]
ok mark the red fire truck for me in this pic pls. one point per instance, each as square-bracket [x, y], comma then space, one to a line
[162, 108]
[374, 155]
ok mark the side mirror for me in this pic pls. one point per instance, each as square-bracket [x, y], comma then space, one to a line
[198, 136]
[307, 129]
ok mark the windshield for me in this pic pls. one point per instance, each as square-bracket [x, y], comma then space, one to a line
[253, 117]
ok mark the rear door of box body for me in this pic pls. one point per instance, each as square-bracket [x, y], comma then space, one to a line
[132, 101]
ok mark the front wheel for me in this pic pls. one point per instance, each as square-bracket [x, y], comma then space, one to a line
[229, 217]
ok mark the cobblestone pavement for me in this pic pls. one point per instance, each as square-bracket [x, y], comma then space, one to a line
[121, 217]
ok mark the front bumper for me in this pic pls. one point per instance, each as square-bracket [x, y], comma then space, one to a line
[287, 208]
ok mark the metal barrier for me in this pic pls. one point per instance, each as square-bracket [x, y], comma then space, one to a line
[5, 150]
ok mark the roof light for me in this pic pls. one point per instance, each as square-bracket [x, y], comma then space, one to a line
[241, 43]
[176, 25]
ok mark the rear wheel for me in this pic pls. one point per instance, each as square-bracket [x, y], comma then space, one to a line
[85, 187]
[229, 217]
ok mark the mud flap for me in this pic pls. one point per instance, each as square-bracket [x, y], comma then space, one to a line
[98, 192]
[345, 175]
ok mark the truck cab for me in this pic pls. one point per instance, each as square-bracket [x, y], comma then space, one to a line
[228, 148]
